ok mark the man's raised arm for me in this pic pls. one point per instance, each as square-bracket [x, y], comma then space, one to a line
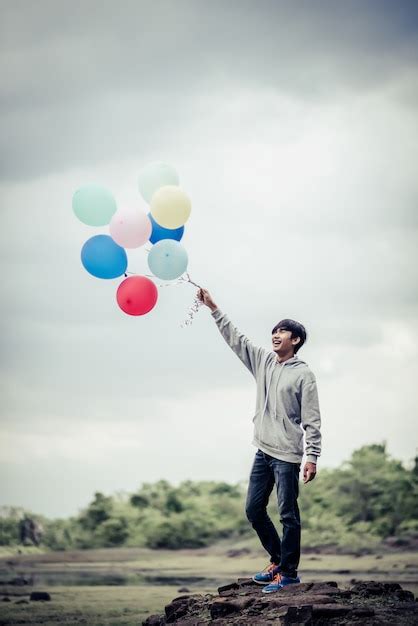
[249, 354]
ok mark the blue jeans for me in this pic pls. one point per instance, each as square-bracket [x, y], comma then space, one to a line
[265, 473]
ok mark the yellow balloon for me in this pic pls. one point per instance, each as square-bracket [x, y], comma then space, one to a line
[170, 206]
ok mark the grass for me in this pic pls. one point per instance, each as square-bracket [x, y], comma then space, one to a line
[92, 606]
[158, 575]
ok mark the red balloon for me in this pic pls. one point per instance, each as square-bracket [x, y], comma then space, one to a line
[137, 295]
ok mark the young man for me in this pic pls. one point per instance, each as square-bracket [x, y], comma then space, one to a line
[287, 404]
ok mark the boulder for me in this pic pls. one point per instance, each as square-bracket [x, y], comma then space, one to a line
[40, 596]
[243, 603]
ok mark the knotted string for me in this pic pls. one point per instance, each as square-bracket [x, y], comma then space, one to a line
[196, 302]
[182, 280]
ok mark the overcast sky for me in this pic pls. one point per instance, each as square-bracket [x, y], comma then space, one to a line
[293, 126]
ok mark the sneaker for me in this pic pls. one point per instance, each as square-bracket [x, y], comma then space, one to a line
[267, 575]
[279, 581]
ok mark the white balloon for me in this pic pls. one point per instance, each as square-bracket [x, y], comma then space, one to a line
[130, 228]
[156, 175]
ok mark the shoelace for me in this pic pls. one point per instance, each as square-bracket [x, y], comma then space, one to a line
[270, 567]
[277, 578]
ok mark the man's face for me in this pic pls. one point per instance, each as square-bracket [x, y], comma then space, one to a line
[283, 342]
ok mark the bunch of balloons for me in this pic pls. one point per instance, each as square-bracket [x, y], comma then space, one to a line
[104, 256]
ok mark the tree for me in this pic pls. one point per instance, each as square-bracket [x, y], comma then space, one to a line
[97, 512]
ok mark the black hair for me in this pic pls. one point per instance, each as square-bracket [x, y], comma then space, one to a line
[297, 330]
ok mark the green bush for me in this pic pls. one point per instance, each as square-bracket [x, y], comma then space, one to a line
[354, 507]
[112, 532]
[184, 530]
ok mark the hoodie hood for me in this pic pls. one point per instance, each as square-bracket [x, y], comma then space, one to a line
[294, 361]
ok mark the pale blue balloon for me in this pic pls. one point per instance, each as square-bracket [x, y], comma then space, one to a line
[168, 259]
[156, 175]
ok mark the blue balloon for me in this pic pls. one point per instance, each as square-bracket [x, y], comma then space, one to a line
[167, 259]
[103, 258]
[159, 232]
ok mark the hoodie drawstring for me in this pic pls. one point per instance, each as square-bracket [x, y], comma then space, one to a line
[289, 362]
[267, 394]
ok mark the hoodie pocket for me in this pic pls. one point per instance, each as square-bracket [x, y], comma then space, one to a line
[281, 438]
[289, 435]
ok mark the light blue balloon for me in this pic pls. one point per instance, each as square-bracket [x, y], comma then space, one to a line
[103, 258]
[168, 259]
[156, 175]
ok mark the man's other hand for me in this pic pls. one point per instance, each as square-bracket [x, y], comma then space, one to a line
[309, 471]
[205, 297]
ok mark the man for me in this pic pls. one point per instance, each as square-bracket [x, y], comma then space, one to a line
[287, 404]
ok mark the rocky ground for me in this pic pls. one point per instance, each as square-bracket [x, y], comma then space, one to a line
[307, 604]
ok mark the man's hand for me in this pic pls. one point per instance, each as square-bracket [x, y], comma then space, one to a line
[309, 471]
[205, 297]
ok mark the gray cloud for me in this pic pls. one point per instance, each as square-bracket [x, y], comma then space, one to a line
[293, 127]
[83, 82]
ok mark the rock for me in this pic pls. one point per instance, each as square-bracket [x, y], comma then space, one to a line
[6, 599]
[37, 596]
[243, 604]
[19, 581]
[179, 607]
[22, 601]
[225, 606]
[183, 590]
[321, 588]
[247, 582]
[30, 531]
[403, 595]
[330, 610]
[306, 598]
[155, 620]
[230, 587]
[295, 616]
[395, 542]
[363, 611]
[373, 588]
[240, 552]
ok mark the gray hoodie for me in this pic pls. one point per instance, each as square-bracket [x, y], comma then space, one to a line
[287, 398]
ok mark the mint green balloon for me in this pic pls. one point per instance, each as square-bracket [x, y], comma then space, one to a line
[94, 205]
[156, 175]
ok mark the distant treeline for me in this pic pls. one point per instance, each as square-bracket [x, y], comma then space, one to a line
[353, 508]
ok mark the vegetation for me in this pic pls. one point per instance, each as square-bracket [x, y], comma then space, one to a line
[368, 499]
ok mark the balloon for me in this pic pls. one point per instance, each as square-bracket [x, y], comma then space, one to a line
[158, 232]
[130, 228]
[167, 259]
[94, 205]
[137, 295]
[103, 258]
[170, 207]
[156, 175]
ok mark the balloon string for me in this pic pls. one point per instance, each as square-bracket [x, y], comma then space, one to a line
[188, 280]
[192, 312]
[196, 302]
[182, 280]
